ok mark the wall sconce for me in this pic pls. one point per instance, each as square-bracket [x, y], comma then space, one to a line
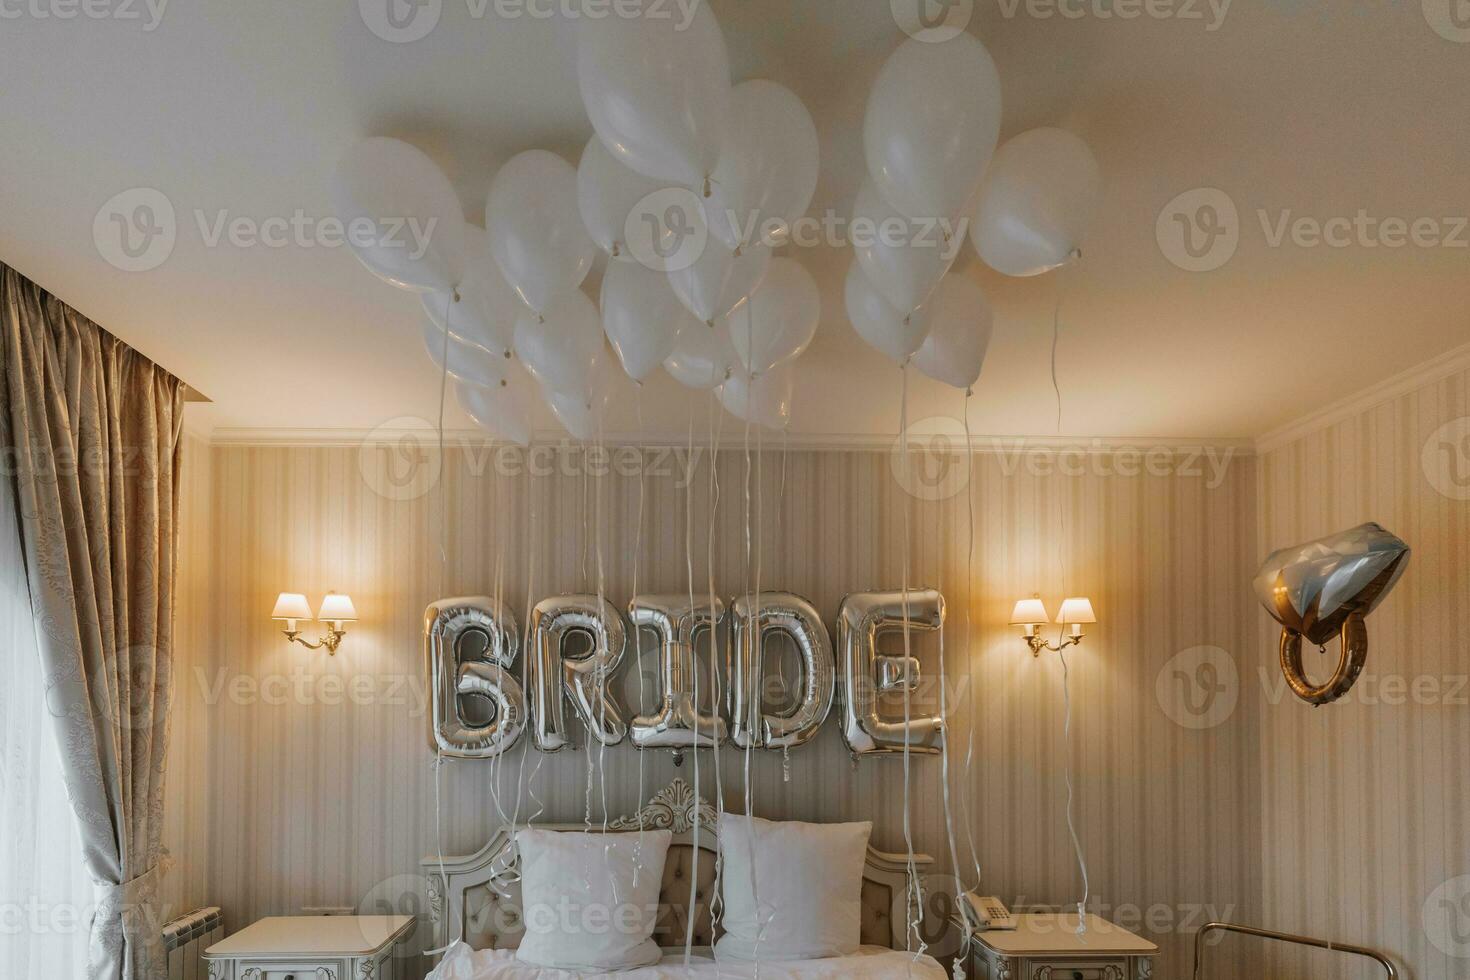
[1031, 615]
[336, 611]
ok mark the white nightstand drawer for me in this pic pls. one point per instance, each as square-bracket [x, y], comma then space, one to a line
[276, 970]
[1079, 970]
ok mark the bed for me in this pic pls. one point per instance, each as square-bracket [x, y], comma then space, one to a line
[476, 899]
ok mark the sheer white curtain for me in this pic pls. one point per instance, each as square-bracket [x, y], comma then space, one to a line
[46, 896]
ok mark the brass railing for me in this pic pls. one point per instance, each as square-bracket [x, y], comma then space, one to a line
[1285, 937]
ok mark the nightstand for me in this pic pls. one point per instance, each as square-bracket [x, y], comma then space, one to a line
[312, 947]
[1047, 947]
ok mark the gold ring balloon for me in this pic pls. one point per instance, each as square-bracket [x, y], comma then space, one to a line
[1326, 588]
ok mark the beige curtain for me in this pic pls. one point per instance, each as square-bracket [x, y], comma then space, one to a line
[91, 436]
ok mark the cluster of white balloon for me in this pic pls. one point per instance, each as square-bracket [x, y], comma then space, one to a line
[688, 185]
[682, 168]
[929, 140]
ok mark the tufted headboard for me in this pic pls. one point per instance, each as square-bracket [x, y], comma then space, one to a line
[479, 898]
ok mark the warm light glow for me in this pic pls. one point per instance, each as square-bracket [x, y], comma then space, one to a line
[291, 605]
[1077, 609]
[338, 609]
[1029, 612]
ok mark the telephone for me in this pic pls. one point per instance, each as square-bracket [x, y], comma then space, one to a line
[984, 912]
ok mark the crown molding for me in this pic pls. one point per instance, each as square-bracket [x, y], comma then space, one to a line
[808, 441]
[1422, 375]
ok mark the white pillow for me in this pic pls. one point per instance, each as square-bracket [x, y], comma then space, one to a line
[808, 882]
[581, 908]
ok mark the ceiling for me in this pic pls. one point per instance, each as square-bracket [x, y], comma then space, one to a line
[1309, 108]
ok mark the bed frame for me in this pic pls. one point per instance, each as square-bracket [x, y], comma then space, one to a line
[479, 896]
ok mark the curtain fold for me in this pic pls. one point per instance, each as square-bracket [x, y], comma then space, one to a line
[91, 432]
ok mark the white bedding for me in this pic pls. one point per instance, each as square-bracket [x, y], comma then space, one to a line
[868, 963]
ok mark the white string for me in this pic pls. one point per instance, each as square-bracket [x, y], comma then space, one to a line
[954, 857]
[717, 900]
[1062, 559]
[694, 750]
[915, 900]
[638, 637]
[968, 799]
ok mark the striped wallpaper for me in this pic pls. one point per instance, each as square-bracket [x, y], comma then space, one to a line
[305, 781]
[1366, 804]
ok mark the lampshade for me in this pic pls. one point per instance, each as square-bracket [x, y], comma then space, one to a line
[1077, 609]
[1029, 612]
[339, 607]
[291, 605]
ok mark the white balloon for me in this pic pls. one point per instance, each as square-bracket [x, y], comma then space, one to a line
[500, 411]
[466, 362]
[559, 349]
[779, 321]
[607, 194]
[642, 316]
[536, 231]
[903, 259]
[893, 334]
[764, 399]
[703, 356]
[768, 167]
[932, 122]
[1036, 201]
[416, 238]
[656, 90]
[959, 334]
[720, 279]
[583, 414]
[487, 308]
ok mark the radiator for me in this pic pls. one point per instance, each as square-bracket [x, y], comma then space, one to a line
[186, 937]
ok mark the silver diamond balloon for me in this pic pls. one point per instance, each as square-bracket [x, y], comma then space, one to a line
[1313, 588]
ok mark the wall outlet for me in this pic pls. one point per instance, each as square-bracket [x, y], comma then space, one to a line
[328, 910]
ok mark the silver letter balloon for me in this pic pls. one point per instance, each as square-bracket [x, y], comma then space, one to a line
[556, 675]
[793, 616]
[678, 723]
[478, 706]
[1326, 588]
[862, 619]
